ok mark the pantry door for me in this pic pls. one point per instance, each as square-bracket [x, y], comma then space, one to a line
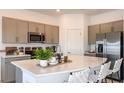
[74, 41]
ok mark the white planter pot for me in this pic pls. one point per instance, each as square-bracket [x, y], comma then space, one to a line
[43, 63]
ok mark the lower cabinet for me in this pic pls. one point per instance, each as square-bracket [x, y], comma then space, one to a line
[8, 70]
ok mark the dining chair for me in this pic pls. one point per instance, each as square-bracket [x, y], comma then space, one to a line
[103, 72]
[116, 68]
[79, 76]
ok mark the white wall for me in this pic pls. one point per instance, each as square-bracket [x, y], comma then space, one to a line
[74, 21]
[107, 17]
[25, 15]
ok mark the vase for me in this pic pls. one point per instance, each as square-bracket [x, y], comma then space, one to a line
[43, 63]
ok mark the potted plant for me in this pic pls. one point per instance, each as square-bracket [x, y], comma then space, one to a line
[43, 56]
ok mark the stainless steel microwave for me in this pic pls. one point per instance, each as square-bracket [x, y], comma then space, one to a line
[35, 37]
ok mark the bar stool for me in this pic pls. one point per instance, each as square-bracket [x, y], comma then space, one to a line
[116, 68]
[103, 72]
[79, 76]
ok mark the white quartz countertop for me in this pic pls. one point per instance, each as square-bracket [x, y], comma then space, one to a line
[78, 63]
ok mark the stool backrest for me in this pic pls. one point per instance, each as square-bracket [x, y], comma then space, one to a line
[104, 70]
[79, 76]
[117, 65]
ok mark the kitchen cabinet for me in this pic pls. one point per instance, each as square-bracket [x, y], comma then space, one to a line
[36, 27]
[14, 30]
[8, 30]
[92, 31]
[117, 26]
[8, 70]
[22, 31]
[103, 28]
[55, 34]
[51, 34]
[48, 34]
[112, 26]
[106, 27]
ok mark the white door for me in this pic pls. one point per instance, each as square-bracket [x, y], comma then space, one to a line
[74, 41]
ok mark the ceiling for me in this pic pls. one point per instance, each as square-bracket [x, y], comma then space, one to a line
[90, 12]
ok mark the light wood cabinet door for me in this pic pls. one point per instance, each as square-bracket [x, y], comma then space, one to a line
[117, 26]
[92, 31]
[8, 30]
[36, 27]
[33, 27]
[22, 31]
[55, 34]
[48, 34]
[40, 28]
[51, 34]
[106, 27]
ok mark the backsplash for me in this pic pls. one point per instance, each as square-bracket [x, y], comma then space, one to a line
[2, 46]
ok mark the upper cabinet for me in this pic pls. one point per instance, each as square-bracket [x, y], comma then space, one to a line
[14, 31]
[106, 27]
[117, 26]
[51, 34]
[36, 27]
[55, 33]
[112, 26]
[48, 32]
[92, 31]
[22, 30]
[8, 30]
[103, 28]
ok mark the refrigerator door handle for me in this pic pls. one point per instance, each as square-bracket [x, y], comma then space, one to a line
[104, 48]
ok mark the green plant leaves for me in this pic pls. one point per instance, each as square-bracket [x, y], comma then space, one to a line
[45, 54]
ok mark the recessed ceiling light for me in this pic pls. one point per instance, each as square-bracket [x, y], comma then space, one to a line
[57, 10]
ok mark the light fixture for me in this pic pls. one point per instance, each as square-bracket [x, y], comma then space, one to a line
[57, 10]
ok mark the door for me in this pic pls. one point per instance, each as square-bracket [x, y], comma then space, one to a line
[117, 26]
[92, 31]
[40, 28]
[48, 34]
[9, 72]
[74, 41]
[55, 34]
[106, 27]
[22, 31]
[8, 30]
[33, 27]
[113, 44]
[100, 46]
[36, 27]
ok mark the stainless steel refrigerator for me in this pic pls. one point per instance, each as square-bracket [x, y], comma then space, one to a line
[110, 45]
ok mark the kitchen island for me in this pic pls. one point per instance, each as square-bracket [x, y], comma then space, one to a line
[33, 73]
